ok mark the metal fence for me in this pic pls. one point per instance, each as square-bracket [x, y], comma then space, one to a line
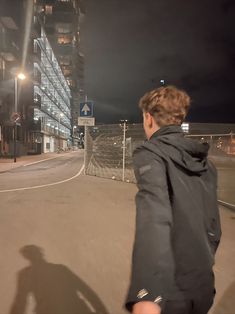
[109, 148]
[220, 144]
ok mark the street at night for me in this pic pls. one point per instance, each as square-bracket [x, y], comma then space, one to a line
[110, 113]
[85, 224]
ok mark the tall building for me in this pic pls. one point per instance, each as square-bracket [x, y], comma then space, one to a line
[10, 56]
[50, 114]
[35, 114]
[61, 20]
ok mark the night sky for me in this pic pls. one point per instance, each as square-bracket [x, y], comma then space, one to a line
[130, 45]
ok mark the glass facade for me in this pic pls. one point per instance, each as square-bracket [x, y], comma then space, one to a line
[52, 97]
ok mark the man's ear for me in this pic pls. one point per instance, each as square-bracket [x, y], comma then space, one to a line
[149, 119]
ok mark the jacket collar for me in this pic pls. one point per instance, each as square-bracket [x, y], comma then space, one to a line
[168, 129]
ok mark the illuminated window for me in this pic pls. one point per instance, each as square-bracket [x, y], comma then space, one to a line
[185, 127]
[70, 82]
[66, 71]
[48, 9]
[65, 60]
[65, 39]
[63, 28]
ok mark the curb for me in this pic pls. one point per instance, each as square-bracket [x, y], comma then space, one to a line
[227, 205]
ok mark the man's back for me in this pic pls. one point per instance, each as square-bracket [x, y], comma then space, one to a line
[177, 218]
[192, 183]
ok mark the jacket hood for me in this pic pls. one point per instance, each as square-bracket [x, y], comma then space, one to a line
[183, 151]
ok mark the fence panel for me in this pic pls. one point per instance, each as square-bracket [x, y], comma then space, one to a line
[109, 150]
[106, 147]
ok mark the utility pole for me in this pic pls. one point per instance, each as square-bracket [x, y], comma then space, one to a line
[124, 148]
[85, 142]
[20, 76]
[15, 121]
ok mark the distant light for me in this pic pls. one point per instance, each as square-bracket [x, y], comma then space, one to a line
[185, 127]
[162, 82]
[21, 76]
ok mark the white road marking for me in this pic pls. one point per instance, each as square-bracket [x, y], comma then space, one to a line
[42, 160]
[45, 185]
[226, 204]
[88, 303]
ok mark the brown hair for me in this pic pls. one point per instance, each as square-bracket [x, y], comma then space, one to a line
[168, 105]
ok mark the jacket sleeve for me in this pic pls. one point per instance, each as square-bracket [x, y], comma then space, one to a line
[214, 224]
[152, 261]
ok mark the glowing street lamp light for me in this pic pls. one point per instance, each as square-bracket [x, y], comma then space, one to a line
[21, 76]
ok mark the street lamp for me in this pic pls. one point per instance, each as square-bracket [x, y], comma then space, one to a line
[20, 76]
[74, 127]
[59, 125]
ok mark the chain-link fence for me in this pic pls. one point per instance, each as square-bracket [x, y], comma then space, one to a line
[109, 148]
[221, 145]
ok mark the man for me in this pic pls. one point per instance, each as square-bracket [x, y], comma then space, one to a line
[177, 220]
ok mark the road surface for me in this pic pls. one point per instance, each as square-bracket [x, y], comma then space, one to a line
[84, 227]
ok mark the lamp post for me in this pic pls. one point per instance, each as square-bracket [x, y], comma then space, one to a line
[124, 124]
[59, 125]
[74, 127]
[20, 76]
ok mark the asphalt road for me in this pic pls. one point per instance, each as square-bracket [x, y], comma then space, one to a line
[85, 227]
[41, 173]
[66, 241]
[226, 183]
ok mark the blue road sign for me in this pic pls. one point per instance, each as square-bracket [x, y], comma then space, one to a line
[86, 109]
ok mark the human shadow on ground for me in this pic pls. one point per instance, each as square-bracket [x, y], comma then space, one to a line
[54, 287]
[226, 304]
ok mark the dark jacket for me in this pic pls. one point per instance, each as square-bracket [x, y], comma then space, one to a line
[177, 219]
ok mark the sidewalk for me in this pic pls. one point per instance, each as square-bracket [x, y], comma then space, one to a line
[7, 164]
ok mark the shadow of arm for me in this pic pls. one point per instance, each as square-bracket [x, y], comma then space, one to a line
[19, 303]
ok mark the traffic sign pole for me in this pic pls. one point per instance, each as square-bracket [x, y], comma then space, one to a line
[85, 148]
[15, 136]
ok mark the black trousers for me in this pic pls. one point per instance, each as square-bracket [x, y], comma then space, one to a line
[199, 304]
